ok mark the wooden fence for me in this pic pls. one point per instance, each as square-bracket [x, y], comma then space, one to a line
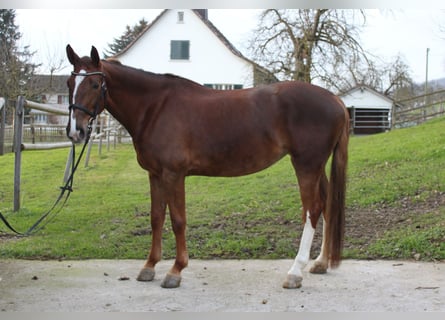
[2, 124]
[413, 111]
[45, 137]
[38, 134]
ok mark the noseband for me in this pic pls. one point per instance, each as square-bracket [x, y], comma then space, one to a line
[93, 114]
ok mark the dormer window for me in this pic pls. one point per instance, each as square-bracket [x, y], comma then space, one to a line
[180, 16]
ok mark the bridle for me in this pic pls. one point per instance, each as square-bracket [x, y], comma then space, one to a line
[95, 112]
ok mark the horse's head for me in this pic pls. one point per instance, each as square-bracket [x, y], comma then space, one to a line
[86, 93]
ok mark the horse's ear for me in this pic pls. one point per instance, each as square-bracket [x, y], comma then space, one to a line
[95, 56]
[72, 56]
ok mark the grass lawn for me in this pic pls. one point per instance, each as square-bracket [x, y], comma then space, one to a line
[256, 216]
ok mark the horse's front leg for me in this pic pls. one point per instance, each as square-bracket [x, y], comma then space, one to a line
[175, 195]
[158, 207]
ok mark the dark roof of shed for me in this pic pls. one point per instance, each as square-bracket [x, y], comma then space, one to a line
[49, 83]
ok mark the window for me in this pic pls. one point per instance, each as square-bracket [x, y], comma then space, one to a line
[180, 16]
[62, 99]
[222, 86]
[40, 118]
[180, 50]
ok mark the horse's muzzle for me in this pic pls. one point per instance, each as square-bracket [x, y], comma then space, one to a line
[76, 134]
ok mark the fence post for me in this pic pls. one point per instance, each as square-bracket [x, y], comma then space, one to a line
[18, 132]
[108, 133]
[69, 163]
[393, 115]
[90, 143]
[101, 128]
[2, 125]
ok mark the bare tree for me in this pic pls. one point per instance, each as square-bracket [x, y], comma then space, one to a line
[441, 25]
[301, 44]
[56, 60]
[397, 76]
[323, 46]
[386, 77]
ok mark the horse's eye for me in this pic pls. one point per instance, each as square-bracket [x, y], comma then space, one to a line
[95, 85]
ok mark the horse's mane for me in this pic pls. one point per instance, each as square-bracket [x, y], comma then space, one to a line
[176, 77]
[169, 76]
[114, 61]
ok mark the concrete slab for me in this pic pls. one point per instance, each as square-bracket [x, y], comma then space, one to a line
[220, 285]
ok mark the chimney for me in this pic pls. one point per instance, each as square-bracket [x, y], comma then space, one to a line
[203, 13]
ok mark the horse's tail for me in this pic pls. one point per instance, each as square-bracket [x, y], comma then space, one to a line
[336, 197]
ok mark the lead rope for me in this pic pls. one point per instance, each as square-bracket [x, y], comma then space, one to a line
[68, 187]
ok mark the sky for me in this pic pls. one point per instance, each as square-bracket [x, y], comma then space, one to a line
[408, 32]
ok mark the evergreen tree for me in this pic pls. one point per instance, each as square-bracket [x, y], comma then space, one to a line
[130, 34]
[16, 68]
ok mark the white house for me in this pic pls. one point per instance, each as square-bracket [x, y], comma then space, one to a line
[184, 42]
[369, 110]
[53, 90]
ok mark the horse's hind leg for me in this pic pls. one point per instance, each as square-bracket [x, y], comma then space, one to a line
[321, 263]
[313, 195]
[158, 207]
[295, 274]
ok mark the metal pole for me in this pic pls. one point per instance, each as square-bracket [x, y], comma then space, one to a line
[426, 84]
[426, 71]
[18, 134]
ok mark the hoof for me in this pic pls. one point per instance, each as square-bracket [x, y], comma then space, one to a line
[171, 281]
[318, 268]
[146, 274]
[292, 282]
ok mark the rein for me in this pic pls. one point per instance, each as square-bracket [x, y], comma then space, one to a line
[37, 226]
[66, 188]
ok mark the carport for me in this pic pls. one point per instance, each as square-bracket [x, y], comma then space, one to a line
[370, 111]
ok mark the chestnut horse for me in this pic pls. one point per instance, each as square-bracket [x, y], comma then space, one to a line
[181, 128]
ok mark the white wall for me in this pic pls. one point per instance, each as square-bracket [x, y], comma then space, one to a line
[210, 60]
